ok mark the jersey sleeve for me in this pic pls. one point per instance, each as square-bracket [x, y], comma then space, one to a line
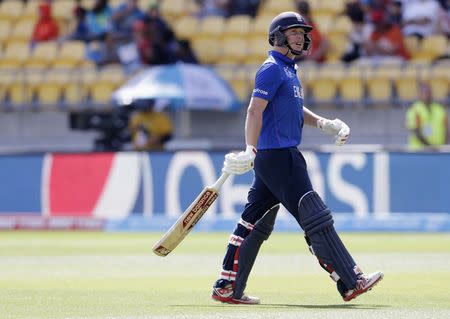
[267, 80]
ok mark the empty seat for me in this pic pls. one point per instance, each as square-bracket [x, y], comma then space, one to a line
[14, 55]
[212, 26]
[22, 30]
[207, 50]
[43, 54]
[187, 27]
[11, 9]
[234, 50]
[71, 54]
[430, 48]
[5, 30]
[238, 25]
[108, 80]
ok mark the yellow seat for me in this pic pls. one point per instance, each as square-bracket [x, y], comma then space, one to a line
[260, 25]
[71, 54]
[337, 46]
[207, 50]
[14, 55]
[43, 54]
[275, 7]
[23, 30]
[412, 44]
[323, 88]
[431, 48]
[242, 83]
[187, 27]
[406, 87]
[5, 30]
[23, 89]
[234, 50]
[212, 26]
[76, 91]
[439, 81]
[6, 80]
[109, 79]
[238, 25]
[11, 9]
[173, 9]
[351, 89]
[324, 22]
[51, 90]
[342, 24]
[379, 89]
[31, 9]
[63, 9]
[258, 48]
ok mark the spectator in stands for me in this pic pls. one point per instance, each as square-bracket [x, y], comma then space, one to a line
[427, 121]
[386, 40]
[320, 43]
[46, 28]
[184, 52]
[149, 129]
[243, 7]
[98, 20]
[422, 18]
[78, 30]
[213, 8]
[124, 17]
[360, 33]
[161, 31]
[395, 12]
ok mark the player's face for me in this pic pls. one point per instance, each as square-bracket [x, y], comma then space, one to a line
[295, 38]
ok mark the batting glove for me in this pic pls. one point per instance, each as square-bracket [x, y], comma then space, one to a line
[338, 129]
[241, 162]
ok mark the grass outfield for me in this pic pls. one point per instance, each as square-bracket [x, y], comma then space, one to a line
[115, 275]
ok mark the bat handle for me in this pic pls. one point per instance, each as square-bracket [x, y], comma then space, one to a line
[218, 184]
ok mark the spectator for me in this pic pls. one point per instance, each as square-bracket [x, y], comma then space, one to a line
[150, 130]
[394, 10]
[184, 52]
[243, 7]
[422, 18]
[46, 28]
[213, 8]
[386, 40]
[99, 20]
[360, 33]
[320, 43]
[427, 121]
[79, 29]
[124, 17]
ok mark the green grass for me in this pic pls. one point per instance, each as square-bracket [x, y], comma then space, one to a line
[115, 275]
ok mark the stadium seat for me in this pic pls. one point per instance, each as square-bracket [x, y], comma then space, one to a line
[238, 25]
[242, 83]
[77, 90]
[406, 88]
[71, 54]
[337, 45]
[42, 55]
[187, 27]
[14, 55]
[109, 79]
[439, 81]
[412, 44]
[342, 24]
[23, 30]
[260, 25]
[6, 80]
[50, 91]
[63, 9]
[234, 50]
[258, 48]
[31, 9]
[323, 87]
[172, 9]
[430, 48]
[379, 89]
[351, 89]
[5, 30]
[275, 7]
[212, 26]
[207, 50]
[11, 9]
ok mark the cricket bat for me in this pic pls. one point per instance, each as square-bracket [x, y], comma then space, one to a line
[189, 218]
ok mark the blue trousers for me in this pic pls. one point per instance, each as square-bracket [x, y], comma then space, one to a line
[281, 176]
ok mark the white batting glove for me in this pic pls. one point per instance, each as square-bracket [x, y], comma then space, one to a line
[241, 162]
[338, 129]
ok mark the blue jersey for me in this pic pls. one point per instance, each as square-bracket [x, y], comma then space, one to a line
[277, 82]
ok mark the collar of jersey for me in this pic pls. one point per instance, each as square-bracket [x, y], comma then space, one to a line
[277, 55]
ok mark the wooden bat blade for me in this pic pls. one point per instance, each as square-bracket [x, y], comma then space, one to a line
[185, 222]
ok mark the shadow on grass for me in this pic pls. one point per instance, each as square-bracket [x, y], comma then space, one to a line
[288, 306]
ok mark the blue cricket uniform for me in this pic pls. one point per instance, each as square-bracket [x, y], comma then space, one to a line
[280, 169]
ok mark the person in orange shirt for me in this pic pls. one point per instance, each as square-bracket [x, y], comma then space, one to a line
[320, 43]
[386, 39]
[46, 28]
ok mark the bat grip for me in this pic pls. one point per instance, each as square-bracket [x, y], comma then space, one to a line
[218, 184]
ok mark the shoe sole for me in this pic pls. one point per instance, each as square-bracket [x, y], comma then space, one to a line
[356, 294]
[232, 300]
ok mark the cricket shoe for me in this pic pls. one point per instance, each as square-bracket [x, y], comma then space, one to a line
[223, 292]
[364, 283]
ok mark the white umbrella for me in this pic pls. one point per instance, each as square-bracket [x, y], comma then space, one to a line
[179, 86]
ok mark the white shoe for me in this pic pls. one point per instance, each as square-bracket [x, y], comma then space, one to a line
[364, 283]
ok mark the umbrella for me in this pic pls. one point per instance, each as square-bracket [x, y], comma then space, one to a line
[178, 86]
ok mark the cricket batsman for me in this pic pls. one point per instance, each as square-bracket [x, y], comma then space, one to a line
[273, 132]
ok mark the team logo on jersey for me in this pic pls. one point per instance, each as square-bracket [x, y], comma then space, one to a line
[289, 72]
[298, 91]
[260, 91]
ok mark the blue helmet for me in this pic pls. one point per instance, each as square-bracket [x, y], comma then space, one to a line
[285, 21]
